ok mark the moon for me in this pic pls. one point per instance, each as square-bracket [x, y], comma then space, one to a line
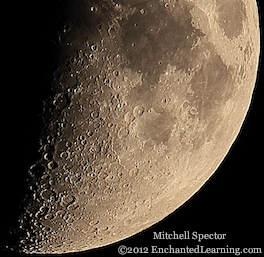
[147, 98]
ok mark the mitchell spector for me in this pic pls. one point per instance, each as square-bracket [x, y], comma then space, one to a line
[187, 235]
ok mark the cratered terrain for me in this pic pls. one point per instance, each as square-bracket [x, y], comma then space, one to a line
[146, 99]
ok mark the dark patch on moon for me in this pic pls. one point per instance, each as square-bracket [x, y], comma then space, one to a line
[212, 83]
[154, 38]
[157, 128]
[231, 15]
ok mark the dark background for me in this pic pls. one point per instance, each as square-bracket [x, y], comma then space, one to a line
[231, 202]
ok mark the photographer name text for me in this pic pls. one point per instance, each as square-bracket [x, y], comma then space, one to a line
[188, 235]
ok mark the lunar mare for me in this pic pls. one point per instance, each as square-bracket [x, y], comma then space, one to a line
[148, 98]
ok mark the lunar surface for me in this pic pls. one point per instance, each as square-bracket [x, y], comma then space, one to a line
[147, 98]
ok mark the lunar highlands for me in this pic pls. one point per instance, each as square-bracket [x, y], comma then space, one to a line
[147, 98]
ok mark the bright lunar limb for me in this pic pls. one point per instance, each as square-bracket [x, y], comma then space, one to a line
[147, 99]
